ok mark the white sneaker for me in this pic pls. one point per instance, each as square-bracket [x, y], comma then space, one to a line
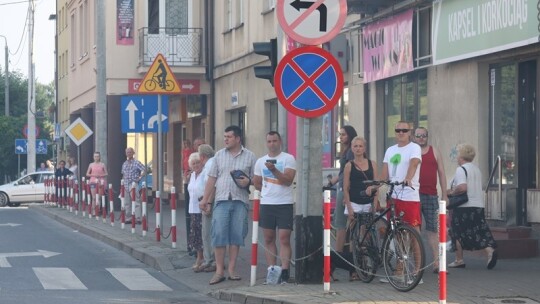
[384, 280]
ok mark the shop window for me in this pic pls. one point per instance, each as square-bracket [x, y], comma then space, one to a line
[405, 98]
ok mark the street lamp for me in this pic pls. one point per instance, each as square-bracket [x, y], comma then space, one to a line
[6, 79]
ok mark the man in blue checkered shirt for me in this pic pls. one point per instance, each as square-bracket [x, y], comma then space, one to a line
[132, 172]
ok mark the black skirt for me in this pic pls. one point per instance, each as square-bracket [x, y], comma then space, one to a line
[470, 228]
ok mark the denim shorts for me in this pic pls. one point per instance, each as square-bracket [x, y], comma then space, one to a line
[229, 223]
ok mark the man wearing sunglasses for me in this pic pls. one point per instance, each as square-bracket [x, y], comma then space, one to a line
[402, 164]
[432, 166]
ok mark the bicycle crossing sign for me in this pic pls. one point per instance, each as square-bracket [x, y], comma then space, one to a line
[159, 79]
[308, 81]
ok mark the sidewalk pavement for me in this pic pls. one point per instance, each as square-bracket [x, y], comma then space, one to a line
[512, 281]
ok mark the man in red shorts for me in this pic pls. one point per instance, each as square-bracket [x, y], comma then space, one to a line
[402, 164]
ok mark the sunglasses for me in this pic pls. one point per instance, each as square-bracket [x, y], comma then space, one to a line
[401, 130]
[421, 136]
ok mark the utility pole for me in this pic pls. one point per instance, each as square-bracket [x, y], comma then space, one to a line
[6, 79]
[101, 94]
[31, 151]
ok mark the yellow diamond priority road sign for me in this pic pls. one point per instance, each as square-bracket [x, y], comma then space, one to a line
[159, 79]
[78, 131]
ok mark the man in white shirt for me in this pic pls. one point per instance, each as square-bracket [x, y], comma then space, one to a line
[273, 176]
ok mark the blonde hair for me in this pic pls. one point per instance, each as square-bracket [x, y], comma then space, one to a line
[466, 152]
[193, 157]
[360, 138]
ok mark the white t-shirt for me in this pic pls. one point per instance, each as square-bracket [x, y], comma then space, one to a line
[273, 193]
[398, 160]
[474, 184]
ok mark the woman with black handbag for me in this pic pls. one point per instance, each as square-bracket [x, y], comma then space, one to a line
[469, 227]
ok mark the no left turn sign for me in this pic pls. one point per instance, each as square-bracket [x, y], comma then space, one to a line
[312, 22]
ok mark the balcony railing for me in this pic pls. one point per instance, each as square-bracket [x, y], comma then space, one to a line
[179, 46]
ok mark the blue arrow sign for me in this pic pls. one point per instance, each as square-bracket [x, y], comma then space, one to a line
[21, 146]
[139, 113]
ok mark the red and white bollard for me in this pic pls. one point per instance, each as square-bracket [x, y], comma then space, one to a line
[255, 237]
[133, 203]
[89, 200]
[83, 196]
[122, 204]
[76, 197]
[111, 205]
[158, 216]
[71, 185]
[442, 252]
[103, 202]
[173, 216]
[99, 195]
[326, 241]
[144, 210]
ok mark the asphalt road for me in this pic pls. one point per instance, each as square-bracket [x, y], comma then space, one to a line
[43, 261]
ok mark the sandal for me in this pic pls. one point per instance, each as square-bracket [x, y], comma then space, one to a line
[457, 264]
[216, 279]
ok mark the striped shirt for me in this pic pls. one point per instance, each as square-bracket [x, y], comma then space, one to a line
[224, 163]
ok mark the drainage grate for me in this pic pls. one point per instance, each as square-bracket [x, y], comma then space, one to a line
[512, 301]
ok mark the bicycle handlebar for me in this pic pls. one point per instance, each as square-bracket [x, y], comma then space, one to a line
[385, 182]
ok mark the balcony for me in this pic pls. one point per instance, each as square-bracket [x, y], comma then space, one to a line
[179, 46]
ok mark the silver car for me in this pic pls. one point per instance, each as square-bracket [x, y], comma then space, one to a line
[29, 188]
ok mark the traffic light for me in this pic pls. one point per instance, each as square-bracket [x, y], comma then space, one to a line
[268, 49]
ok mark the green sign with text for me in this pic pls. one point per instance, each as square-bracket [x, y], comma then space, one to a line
[463, 29]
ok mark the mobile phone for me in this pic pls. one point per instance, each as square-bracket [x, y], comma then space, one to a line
[273, 161]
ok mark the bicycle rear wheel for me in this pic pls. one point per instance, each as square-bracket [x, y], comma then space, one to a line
[404, 257]
[364, 255]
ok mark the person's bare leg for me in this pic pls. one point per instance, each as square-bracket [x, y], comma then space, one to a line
[285, 251]
[233, 254]
[270, 244]
[434, 244]
[220, 260]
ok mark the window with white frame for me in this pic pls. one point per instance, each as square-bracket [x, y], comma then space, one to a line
[234, 12]
[269, 5]
[238, 117]
[83, 29]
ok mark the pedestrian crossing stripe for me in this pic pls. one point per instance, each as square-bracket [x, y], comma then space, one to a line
[58, 278]
[137, 279]
[61, 278]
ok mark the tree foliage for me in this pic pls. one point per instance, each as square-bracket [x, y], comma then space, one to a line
[12, 127]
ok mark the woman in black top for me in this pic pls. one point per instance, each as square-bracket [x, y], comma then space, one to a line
[357, 196]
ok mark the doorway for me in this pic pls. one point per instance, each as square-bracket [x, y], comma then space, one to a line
[514, 130]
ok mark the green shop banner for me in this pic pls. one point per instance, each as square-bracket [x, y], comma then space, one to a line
[463, 29]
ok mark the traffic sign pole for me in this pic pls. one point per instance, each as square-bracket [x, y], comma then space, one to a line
[160, 148]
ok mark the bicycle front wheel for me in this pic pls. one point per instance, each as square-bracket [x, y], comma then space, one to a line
[364, 255]
[404, 257]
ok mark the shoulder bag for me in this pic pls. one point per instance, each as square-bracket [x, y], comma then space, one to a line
[458, 199]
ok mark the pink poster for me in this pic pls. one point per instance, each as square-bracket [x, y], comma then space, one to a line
[387, 47]
[125, 19]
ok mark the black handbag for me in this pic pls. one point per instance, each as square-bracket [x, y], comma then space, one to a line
[458, 199]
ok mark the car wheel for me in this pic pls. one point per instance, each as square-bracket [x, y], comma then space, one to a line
[4, 199]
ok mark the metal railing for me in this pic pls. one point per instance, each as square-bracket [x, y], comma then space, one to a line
[179, 46]
[490, 179]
